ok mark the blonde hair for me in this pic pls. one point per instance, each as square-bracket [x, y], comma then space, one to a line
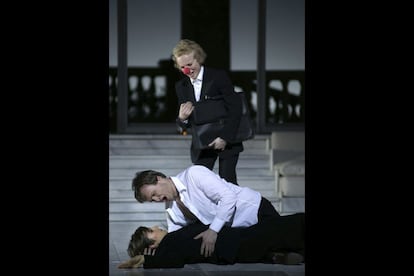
[185, 47]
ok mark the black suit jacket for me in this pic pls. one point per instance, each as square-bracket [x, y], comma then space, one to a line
[215, 82]
[233, 245]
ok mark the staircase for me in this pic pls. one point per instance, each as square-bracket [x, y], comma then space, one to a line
[169, 154]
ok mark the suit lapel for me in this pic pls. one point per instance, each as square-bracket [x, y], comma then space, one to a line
[189, 90]
[207, 82]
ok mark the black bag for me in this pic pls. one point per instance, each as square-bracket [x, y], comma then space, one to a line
[208, 120]
[208, 111]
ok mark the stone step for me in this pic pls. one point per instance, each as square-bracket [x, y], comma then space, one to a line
[130, 172]
[292, 205]
[165, 161]
[128, 194]
[172, 151]
[166, 141]
[149, 162]
[131, 199]
[172, 145]
[244, 177]
[122, 188]
[121, 231]
[258, 181]
[133, 206]
[123, 216]
[252, 157]
[134, 211]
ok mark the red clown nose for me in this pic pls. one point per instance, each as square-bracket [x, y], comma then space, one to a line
[186, 70]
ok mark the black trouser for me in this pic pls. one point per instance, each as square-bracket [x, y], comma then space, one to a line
[266, 210]
[227, 166]
[279, 234]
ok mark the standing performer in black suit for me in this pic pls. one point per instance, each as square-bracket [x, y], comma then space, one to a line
[200, 81]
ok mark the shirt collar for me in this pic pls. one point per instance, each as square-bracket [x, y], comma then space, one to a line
[200, 75]
[178, 184]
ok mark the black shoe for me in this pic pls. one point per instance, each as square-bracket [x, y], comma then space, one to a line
[289, 258]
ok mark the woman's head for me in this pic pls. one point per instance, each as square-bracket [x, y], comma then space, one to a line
[188, 57]
[185, 47]
[145, 237]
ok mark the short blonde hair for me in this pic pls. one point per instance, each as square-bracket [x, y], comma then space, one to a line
[185, 47]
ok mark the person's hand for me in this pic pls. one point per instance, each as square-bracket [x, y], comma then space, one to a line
[149, 251]
[218, 144]
[185, 110]
[209, 240]
[134, 262]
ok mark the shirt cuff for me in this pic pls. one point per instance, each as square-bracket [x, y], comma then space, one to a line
[217, 224]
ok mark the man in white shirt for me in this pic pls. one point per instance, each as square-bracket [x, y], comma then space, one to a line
[198, 193]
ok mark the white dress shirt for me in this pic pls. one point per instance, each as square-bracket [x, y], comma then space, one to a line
[213, 200]
[197, 82]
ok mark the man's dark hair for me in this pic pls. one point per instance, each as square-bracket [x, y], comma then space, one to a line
[139, 241]
[148, 177]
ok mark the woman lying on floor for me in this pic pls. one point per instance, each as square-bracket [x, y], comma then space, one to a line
[279, 240]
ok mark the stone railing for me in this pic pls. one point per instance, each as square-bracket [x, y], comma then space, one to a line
[152, 99]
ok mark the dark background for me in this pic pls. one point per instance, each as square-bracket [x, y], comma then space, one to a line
[55, 156]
